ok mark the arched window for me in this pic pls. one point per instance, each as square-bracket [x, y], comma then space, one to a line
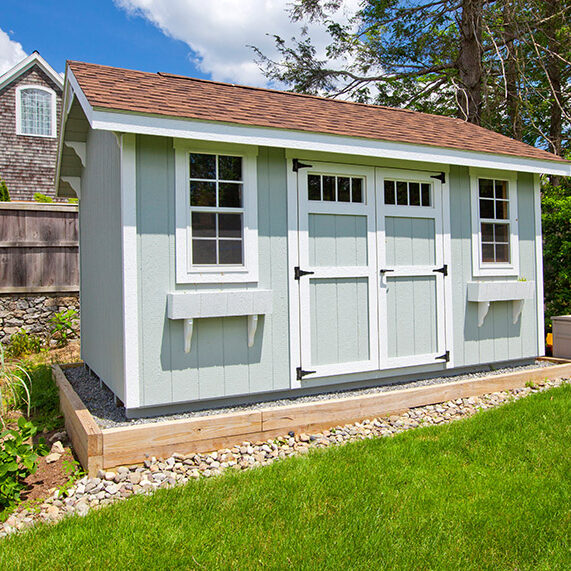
[35, 111]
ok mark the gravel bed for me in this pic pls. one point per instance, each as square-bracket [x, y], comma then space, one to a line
[100, 401]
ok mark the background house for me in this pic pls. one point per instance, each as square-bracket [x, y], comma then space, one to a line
[38, 242]
[30, 111]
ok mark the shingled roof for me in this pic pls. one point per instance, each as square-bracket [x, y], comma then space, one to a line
[179, 96]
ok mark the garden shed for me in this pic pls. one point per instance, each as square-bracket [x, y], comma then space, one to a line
[240, 244]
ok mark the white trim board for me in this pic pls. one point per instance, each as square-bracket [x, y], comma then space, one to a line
[27, 63]
[127, 122]
[130, 272]
[539, 268]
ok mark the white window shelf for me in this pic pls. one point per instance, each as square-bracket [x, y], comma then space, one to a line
[229, 303]
[483, 293]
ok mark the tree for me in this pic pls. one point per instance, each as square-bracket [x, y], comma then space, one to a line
[4, 194]
[505, 64]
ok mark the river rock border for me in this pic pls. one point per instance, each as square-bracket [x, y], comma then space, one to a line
[111, 486]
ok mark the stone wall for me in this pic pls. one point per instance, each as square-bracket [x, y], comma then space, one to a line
[27, 163]
[32, 312]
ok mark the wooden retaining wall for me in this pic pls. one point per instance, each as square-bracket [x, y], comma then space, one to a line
[110, 447]
[39, 248]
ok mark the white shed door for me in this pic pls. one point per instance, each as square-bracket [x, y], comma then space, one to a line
[337, 249]
[412, 271]
[370, 277]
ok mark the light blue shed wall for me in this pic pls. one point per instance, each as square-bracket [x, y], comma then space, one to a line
[498, 339]
[101, 261]
[220, 363]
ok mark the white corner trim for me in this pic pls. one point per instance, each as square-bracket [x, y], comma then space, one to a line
[130, 272]
[53, 110]
[74, 182]
[301, 140]
[80, 149]
[539, 268]
[28, 62]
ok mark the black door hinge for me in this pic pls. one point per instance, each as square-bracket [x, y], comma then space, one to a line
[443, 270]
[297, 272]
[441, 177]
[445, 357]
[297, 165]
[300, 373]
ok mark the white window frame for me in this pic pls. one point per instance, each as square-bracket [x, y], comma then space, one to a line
[480, 268]
[186, 273]
[52, 93]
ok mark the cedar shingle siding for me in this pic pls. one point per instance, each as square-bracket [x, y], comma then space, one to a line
[27, 163]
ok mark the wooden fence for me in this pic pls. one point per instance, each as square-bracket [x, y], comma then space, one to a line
[39, 249]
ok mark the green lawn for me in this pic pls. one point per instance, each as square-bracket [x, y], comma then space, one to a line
[490, 492]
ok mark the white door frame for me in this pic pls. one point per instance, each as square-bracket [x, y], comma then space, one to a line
[293, 251]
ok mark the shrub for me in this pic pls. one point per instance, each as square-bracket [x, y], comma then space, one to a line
[23, 343]
[18, 459]
[39, 197]
[556, 213]
[4, 194]
[63, 326]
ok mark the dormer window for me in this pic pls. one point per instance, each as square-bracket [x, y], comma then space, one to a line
[35, 111]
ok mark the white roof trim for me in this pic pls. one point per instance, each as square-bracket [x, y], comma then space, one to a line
[181, 128]
[25, 65]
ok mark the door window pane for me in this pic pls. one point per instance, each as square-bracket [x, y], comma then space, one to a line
[426, 201]
[414, 191]
[314, 187]
[329, 188]
[402, 193]
[343, 189]
[357, 189]
[389, 192]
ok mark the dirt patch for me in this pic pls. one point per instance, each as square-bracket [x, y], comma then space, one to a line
[48, 477]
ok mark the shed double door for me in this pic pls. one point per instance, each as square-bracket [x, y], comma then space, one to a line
[370, 274]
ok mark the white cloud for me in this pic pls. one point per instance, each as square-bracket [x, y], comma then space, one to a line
[11, 52]
[220, 31]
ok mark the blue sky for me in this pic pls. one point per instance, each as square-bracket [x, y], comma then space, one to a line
[96, 31]
[200, 38]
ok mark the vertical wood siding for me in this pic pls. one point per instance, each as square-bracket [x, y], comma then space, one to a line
[220, 362]
[101, 262]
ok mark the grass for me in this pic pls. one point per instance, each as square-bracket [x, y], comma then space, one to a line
[490, 492]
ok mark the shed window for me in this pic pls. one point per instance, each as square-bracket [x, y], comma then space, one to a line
[405, 193]
[333, 188]
[35, 111]
[216, 204]
[494, 226]
[216, 213]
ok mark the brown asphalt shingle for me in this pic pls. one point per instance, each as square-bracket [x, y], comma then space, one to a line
[179, 96]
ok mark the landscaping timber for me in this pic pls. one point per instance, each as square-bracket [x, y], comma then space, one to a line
[98, 448]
